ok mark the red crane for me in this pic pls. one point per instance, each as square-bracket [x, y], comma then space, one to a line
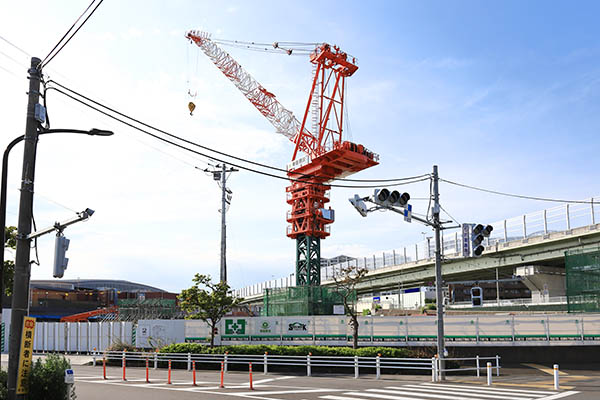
[319, 157]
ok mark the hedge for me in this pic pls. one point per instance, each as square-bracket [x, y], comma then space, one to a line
[249, 349]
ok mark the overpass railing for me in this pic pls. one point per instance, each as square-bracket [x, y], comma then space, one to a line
[562, 218]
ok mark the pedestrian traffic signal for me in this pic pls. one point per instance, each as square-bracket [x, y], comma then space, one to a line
[384, 197]
[478, 234]
[61, 245]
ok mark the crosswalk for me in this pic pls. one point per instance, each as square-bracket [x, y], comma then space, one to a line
[434, 391]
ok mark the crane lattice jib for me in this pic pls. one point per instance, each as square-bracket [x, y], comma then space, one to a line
[281, 118]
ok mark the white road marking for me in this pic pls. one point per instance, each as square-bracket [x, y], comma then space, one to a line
[490, 389]
[461, 391]
[561, 395]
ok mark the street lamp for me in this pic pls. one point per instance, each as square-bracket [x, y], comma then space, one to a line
[3, 189]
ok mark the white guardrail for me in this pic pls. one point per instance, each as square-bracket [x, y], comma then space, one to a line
[539, 223]
[307, 362]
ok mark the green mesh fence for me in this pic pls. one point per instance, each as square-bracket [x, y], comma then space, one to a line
[302, 300]
[583, 281]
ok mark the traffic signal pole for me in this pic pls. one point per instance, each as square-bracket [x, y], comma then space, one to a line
[438, 272]
[22, 264]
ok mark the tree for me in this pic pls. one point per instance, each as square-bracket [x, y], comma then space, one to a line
[346, 279]
[10, 236]
[209, 303]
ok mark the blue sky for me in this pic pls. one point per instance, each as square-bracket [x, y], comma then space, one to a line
[503, 95]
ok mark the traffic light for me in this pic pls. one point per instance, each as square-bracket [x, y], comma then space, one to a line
[359, 204]
[384, 197]
[476, 296]
[215, 331]
[479, 233]
[61, 245]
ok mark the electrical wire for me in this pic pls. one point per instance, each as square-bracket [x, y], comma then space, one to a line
[519, 196]
[15, 46]
[217, 151]
[220, 160]
[448, 214]
[50, 55]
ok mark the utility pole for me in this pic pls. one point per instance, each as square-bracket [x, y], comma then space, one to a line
[220, 174]
[438, 271]
[22, 260]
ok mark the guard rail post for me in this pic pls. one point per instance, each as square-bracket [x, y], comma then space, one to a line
[477, 366]
[556, 383]
[378, 366]
[265, 362]
[308, 371]
[355, 367]
[433, 370]
[489, 373]
[189, 361]
[497, 365]
[225, 361]
[94, 359]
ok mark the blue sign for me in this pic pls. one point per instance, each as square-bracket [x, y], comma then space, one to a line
[408, 213]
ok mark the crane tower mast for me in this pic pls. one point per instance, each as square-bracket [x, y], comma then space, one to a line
[319, 157]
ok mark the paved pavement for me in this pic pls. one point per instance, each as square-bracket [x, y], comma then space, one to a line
[525, 383]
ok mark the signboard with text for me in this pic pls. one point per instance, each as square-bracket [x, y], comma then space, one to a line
[25, 355]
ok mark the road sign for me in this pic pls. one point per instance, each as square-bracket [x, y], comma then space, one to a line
[25, 355]
[408, 213]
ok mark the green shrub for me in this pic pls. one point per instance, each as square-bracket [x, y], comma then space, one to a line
[260, 349]
[47, 379]
[3, 385]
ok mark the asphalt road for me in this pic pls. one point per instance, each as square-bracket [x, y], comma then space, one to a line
[526, 383]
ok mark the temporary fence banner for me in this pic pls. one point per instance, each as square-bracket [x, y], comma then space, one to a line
[331, 329]
[297, 329]
[154, 333]
[195, 331]
[266, 329]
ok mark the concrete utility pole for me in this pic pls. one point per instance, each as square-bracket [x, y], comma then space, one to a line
[221, 175]
[438, 271]
[22, 260]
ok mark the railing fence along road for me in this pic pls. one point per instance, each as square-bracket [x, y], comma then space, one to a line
[355, 363]
[562, 218]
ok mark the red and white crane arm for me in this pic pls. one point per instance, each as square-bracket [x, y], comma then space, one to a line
[280, 117]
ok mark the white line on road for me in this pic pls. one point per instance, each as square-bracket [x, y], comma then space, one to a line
[488, 389]
[465, 392]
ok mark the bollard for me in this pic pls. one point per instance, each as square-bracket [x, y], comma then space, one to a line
[156, 359]
[104, 367]
[250, 370]
[189, 361]
[355, 367]
[169, 374]
[497, 365]
[124, 362]
[556, 384]
[194, 373]
[477, 365]
[378, 366]
[433, 370]
[308, 371]
[265, 362]
[147, 372]
[222, 371]
[489, 374]
[225, 361]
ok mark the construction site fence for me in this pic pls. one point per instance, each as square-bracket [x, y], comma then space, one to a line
[460, 330]
[360, 365]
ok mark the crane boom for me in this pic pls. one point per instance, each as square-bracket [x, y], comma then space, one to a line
[282, 119]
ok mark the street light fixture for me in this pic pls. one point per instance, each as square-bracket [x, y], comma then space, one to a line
[3, 187]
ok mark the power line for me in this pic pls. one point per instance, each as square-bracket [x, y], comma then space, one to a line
[217, 151]
[519, 196]
[220, 160]
[49, 57]
[15, 46]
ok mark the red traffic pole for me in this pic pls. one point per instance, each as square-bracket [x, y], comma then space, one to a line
[194, 372]
[104, 367]
[124, 363]
[222, 369]
[169, 377]
[250, 369]
[147, 372]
